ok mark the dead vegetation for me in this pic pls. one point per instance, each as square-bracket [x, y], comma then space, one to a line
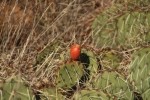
[28, 27]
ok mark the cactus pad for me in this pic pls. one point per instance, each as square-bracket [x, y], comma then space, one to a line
[111, 59]
[15, 89]
[114, 84]
[90, 95]
[93, 64]
[140, 72]
[69, 75]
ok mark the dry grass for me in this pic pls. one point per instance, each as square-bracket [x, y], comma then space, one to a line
[28, 27]
[35, 36]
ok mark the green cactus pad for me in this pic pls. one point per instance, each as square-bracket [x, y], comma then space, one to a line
[69, 75]
[93, 64]
[133, 28]
[14, 89]
[90, 95]
[114, 28]
[146, 95]
[114, 84]
[104, 28]
[140, 71]
[140, 2]
[111, 59]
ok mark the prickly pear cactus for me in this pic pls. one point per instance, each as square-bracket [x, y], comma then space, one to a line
[90, 95]
[115, 85]
[140, 72]
[92, 67]
[133, 28]
[140, 2]
[128, 29]
[111, 59]
[51, 94]
[69, 75]
[15, 89]
[105, 27]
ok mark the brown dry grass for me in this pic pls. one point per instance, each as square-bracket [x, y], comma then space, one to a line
[27, 27]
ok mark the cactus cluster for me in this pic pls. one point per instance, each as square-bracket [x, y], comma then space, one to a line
[89, 79]
[128, 29]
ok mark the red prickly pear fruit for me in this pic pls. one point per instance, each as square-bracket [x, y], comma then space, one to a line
[75, 51]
